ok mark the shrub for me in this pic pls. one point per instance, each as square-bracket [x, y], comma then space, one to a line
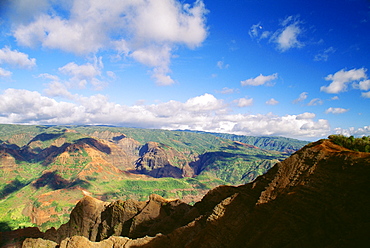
[356, 144]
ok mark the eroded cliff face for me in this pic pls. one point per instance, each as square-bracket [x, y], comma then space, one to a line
[97, 220]
[318, 197]
[159, 161]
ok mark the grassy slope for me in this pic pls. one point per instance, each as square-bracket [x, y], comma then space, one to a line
[226, 163]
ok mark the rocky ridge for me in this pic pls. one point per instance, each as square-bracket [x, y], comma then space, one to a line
[318, 197]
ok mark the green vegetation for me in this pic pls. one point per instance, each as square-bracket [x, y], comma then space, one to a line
[142, 189]
[280, 144]
[51, 165]
[352, 143]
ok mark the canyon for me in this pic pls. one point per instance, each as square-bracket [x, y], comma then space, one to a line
[318, 197]
[46, 170]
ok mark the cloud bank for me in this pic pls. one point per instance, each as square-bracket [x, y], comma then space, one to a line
[204, 112]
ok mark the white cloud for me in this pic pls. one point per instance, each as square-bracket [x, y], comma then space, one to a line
[35, 108]
[57, 89]
[204, 112]
[287, 37]
[49, 76]
[80, 72]
[365, 94]
[81, 75]
[244, 102]
[15, 58]
[272, 101]
[362, 131]
[302, 97]
[334, 98]
[259, 80]
[341, 79]
[315, 102]
[336, 110]
[281, 125]
[157, 57]
[364, 85]
[147, 31]
[5, 73]
[305, 116]
[202, 103]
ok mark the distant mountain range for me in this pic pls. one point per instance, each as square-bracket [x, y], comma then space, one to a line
[318, 197]
[273, 143]
[45, 170]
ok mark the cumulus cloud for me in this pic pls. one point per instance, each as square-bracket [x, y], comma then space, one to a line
[336, 110]
[15, 58]
[81, 75]
[259, 80]
[272, 101]
[364, 85]
[341, 79]
[281, 125]
[302, 97]
[74, 76]
[58, 89]
[287, 37]
[205, 112]
[244, 102]
[146, 30]
[202, 103]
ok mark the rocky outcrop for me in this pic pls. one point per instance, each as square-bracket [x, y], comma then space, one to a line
[155, 161]
[318, 197]
[83, 242]
[97, 220]
[13, 239]
[315, 198]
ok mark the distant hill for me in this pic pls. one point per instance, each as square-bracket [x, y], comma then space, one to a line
[272, 143]
[45, 170]
[318, 197]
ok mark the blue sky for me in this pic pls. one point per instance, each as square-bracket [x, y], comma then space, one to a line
[247, 67]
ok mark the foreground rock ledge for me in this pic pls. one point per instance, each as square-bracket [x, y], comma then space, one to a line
[80, 241]
[318, 197]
